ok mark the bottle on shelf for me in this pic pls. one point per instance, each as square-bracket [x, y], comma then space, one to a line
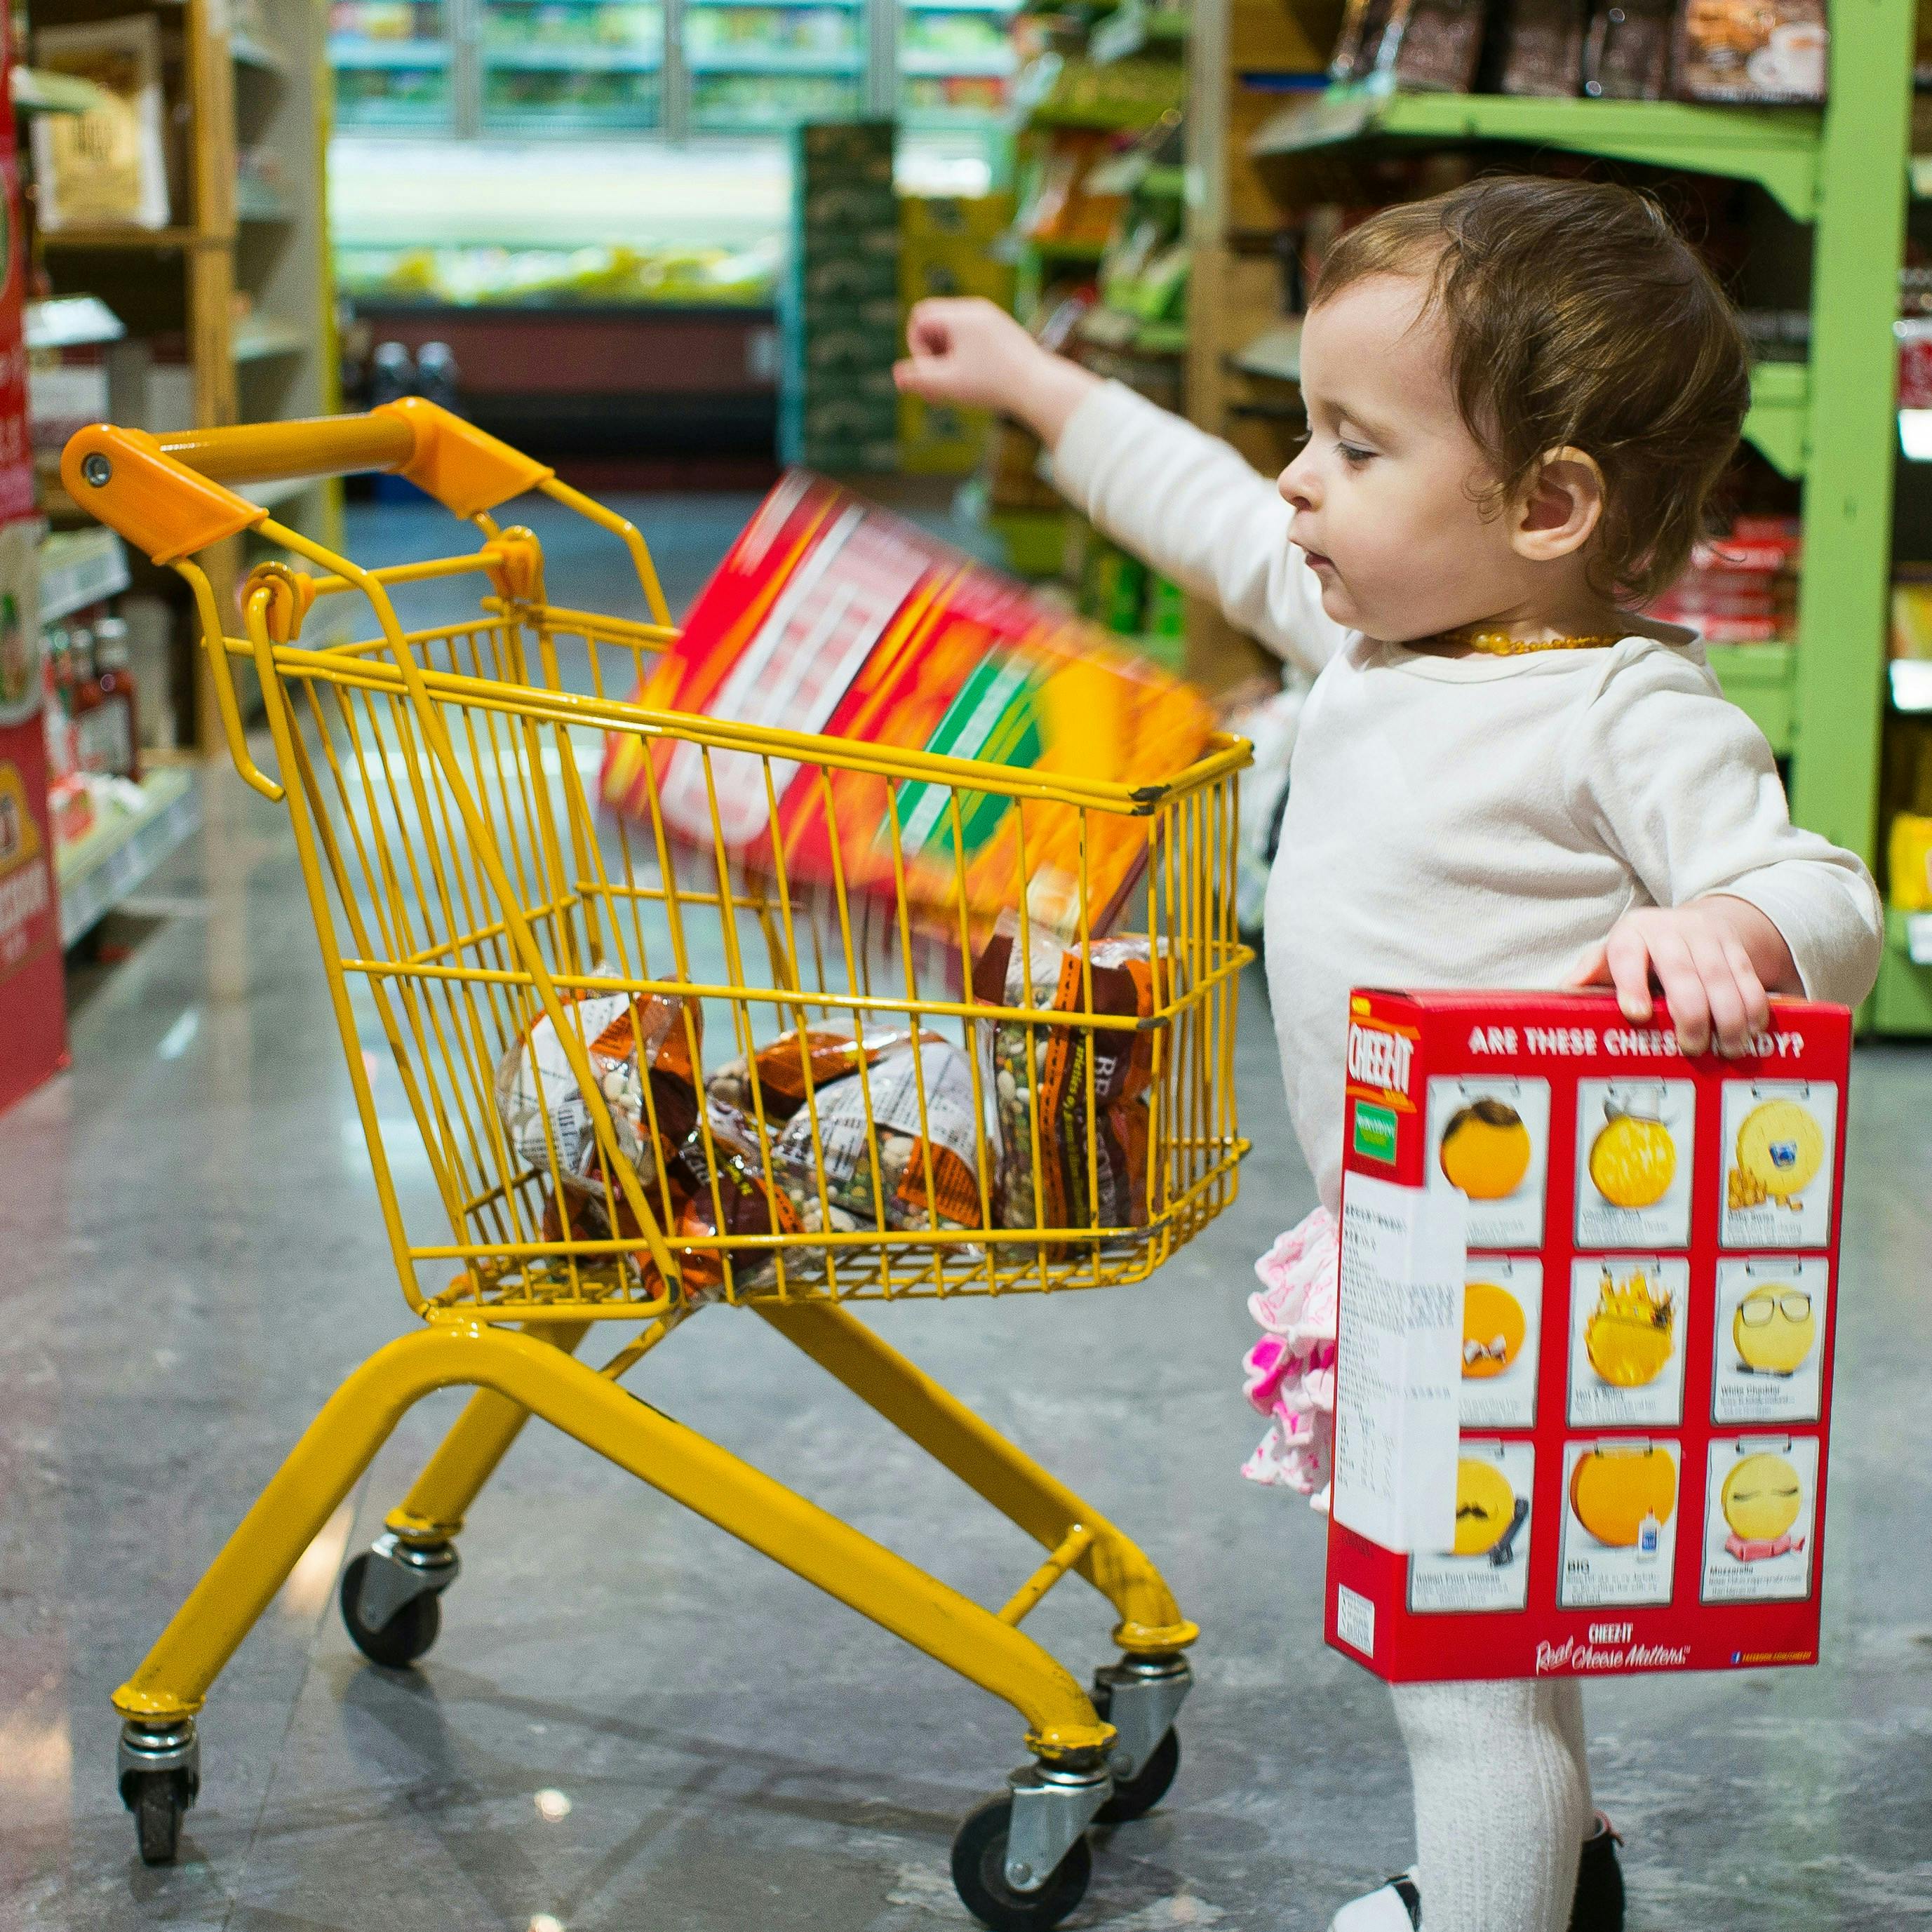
[113, 670]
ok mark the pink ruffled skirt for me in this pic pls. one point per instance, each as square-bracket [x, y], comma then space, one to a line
[1290, 1372]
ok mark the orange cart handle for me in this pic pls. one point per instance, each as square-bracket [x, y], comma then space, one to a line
[167, 495]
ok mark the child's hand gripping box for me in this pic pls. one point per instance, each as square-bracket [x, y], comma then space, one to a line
[1588, 1297]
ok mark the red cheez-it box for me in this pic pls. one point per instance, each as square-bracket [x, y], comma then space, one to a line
[1588, 1298]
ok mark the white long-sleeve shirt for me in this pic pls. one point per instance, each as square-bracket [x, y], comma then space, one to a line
[1463, 822]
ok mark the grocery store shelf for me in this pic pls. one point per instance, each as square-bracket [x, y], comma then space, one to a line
[759, 6]
[1116, 329]
[78, 568]
[254, 202]
[347, 50]
[998, 64]
[1911, 680]
[1061, 251]
[1761, 680]
[115, 858]
[1003, 8]
[72, 321]
[246, 51]
[1133, 173]
[159, 238]
[1133, 29]
[1779, 424]
[273, 496]
[260, 337]
[1276, 352]
[751, 62]
[527, 58]
[1902, 1002]
[34, 91]
[1777, 148]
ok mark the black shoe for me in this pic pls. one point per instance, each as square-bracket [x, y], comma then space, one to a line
[1599, 1903]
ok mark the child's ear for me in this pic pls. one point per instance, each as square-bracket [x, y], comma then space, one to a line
[1560, 509]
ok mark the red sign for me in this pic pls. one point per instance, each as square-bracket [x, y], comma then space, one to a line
[1588, 1306]
[33, 1042]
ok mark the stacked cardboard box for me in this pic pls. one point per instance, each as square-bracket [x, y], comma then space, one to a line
[838, 409]
[1741, 589]
[949, 246]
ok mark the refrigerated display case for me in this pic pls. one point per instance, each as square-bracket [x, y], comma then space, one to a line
[761, 69]
[570, 66]
[956, 66]
[393, 62]
[675, 68]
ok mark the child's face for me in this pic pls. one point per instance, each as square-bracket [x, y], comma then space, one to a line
[1388, 489]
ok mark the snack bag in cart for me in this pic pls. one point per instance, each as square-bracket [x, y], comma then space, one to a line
[828, 615]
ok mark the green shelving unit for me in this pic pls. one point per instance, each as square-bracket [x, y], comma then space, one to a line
[1828, 423]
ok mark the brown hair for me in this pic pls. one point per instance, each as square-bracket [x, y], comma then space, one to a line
[1576, 314]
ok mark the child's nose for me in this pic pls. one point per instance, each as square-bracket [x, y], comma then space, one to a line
[1296, 484]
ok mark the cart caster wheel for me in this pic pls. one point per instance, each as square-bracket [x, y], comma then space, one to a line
[979, 1873]
[1134, 1797]
[159, 1800]
[407, 1635]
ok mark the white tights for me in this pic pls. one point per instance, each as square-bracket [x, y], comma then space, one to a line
[1502, 1801]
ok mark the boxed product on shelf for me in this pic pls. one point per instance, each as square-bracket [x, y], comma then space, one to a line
[1584, 1365]
[107, 167]
[1430, 44]
[1626, 55]
[1909, 861]
[1542, 45]
[940, 439]
[1751, 50]
[946, 224]
[1742, 588]
[838, 409]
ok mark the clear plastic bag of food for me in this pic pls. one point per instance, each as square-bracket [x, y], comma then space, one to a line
[1039, 1078]
[641, 1048]
[884, 1161]
[780, 1069]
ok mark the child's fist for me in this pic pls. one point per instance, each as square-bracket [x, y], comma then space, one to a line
[967, 350]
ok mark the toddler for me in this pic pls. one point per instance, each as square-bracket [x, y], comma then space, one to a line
[1519, 395]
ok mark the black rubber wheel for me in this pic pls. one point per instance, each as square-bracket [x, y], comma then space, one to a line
[1139, 1794]
[157, 1799]
[405, 1637]
[979, 1872]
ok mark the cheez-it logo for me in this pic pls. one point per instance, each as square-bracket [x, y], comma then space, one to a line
[1379, 1060]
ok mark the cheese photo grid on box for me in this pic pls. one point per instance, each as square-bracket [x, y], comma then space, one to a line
[1633, 1143]
[1490, 1138]
[1502, 1335]
[1771, 1312]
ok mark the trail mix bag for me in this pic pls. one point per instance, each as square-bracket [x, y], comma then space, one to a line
[893, 1165]
[640, 1046]
[1040, 1080]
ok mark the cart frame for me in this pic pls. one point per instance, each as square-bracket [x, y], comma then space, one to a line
[1021, 1860]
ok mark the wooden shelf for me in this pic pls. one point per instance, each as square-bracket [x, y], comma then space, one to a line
[247, 52]
[259, 338]
[160, 240]
[262, 90]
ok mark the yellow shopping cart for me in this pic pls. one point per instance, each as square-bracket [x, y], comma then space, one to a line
[649, 1077]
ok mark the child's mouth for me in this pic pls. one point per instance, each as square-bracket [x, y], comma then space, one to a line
[1317, 562]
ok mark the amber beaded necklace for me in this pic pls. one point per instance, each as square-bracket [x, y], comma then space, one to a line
[1495, 644]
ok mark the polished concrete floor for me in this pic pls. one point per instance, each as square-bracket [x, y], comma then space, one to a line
[190, 1261]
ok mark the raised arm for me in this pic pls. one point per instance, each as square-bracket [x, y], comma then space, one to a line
[1183, 500]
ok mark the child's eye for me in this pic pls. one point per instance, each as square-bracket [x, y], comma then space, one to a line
[1354, 456]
